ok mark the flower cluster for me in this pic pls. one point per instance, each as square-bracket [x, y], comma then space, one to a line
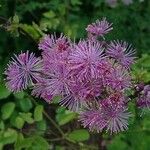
[91, 76]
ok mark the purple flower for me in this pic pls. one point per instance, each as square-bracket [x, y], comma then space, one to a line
[85, 58]
[90, 77]
[62, 44]
[110, 114]
[56, 74]
[100, 28]
[39, 90]
[47, 42]
[140, 87]
[72, 102]
[54, 60]
[119, 78]
[93, 119]
[105, 68]
[22, 71]
[50, 42]
[80, 93]
[54, 84]
[55, 51]
[117, 117]
[144, 98]
[92, 88]
[122, 52]
[144, 101]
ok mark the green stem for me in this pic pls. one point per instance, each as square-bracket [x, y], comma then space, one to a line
[49, 118]
[56, 139]
[54, 123]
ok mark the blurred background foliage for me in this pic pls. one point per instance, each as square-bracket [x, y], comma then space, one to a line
[32, 124]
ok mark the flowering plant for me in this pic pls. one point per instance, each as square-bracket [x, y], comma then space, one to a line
[92, 77]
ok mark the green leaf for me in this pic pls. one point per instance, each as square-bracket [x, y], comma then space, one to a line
[38, 113]
[64, 116]
[25, 104]
[56, 99]
[76, 2]
[41, 126]
[32, 143]
[78, 135]
[138, 139]
[30, 30]
[14, 25]
[1, 146]
[4, 92]
[61, 110]
[15, 19]
[7, 109]
[23, 143]
[2, 125]
[9, 136]
[38, 29]
[19, 122]
[19, 95]
[141, 69]
[13, 118]
[117, 144]
[49, 14]
[18, 145]
[39, 143]
[144, 61]
[27, 117]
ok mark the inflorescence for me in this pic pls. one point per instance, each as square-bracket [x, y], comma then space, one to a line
[91, 76]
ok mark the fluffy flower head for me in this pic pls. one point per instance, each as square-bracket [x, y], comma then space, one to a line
[22, 71]
[54, 51]
[99, 28]
[119, 79]
[122, 52]
[85, 58]
[110, 114]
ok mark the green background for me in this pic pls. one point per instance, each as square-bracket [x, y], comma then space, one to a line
[32, 124]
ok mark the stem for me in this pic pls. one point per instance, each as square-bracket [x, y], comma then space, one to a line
[90, 146]
[56, 139]
[49, 118]
[54, 123]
